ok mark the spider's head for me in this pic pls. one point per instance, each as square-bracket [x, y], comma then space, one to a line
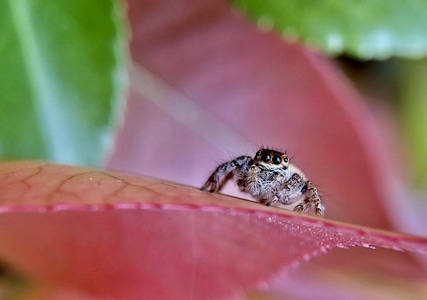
[271, 159]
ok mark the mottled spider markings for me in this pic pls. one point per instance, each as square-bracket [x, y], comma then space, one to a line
[270, 178]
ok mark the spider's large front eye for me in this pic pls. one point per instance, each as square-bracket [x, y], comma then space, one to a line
[266, 157]
[277, 159]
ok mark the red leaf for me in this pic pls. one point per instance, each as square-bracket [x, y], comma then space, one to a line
[107, 234]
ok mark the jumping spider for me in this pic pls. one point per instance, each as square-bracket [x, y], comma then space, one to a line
[270, 178]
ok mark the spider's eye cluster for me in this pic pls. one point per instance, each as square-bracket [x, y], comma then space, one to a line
[271, 157]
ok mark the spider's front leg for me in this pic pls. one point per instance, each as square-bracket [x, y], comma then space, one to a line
[213, 182]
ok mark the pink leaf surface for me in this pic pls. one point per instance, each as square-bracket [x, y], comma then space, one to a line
[207, 85]
[98, 234]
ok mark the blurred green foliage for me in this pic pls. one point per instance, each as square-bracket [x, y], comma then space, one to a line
[366, 29]
[413, 112]
[62, 78]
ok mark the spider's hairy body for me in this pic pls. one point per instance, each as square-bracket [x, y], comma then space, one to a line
[269, 178]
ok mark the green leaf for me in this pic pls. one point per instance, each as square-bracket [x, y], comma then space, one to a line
[62, 78]
[365, 28]
[413, 112]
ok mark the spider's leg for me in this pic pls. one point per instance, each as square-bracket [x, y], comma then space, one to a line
[302, 207]
[213, 182]
[312, 198]
[270, 202]
[313, 194]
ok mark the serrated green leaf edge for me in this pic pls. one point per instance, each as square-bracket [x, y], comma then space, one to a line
[368, 29]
